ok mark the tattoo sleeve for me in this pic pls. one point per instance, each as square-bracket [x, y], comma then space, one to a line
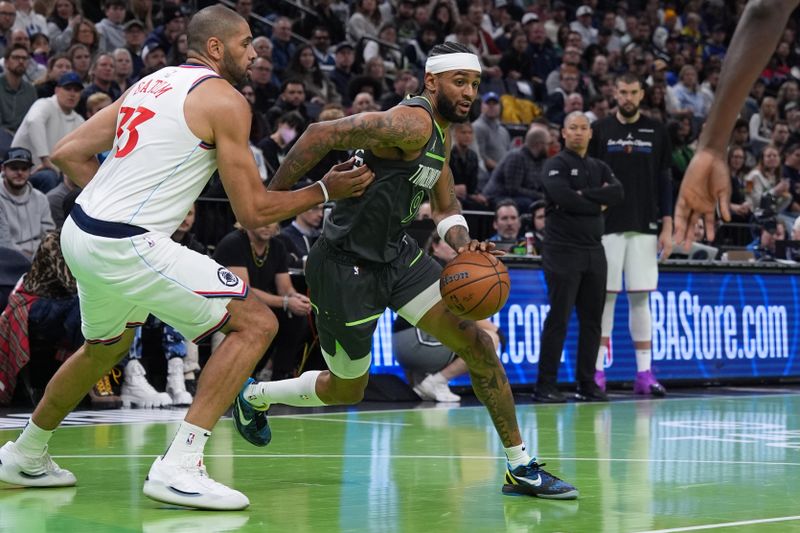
[396, 128]
[444, 203]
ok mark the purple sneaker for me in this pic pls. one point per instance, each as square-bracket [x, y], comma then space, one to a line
[646, 383]
[600, 379]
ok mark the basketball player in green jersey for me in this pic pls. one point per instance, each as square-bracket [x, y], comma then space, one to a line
[364, 262]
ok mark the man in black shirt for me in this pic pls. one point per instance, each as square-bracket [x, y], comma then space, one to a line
[637, 149]
[577, 190]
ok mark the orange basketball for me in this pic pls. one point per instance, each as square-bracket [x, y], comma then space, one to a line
[475, 285]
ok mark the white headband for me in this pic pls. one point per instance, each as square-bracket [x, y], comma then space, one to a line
[457, 61]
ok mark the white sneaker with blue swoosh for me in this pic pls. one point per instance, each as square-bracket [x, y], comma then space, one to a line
[19, 469]
[533, 480]
[187, 483]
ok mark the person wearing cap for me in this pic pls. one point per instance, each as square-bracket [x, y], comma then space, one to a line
[364, 245]
[583, 25]
[173, 24]
[154, 57]
[46, 123]
[112, 26]
[134, 41]
[27, 209]
[342, 73]
[492, 138]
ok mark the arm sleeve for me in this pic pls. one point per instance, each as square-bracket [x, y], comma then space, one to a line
[555, 180]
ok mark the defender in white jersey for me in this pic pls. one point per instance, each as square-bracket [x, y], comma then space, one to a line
[167, 135]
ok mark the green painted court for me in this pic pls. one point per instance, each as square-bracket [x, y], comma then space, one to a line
[721, 459]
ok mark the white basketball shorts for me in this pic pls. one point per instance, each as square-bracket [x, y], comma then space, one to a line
[635, 255]
[123, 279]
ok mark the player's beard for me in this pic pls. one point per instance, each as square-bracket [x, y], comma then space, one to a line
[448, 109]
[234, 72]
[628, 114]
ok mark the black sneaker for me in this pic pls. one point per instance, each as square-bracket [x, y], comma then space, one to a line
[548, 393]
[590, 392]
[533, 480]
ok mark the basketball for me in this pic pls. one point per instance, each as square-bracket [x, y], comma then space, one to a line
[475, 285]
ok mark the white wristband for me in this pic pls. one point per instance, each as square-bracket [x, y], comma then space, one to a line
[453, 220]
[324, 191]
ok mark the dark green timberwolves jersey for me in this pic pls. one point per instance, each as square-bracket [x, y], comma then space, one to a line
[372, 227]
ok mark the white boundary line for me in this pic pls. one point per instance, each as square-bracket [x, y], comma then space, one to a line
[725, 524]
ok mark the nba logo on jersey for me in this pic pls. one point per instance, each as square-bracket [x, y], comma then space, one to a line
[190, 439]
[359, 157]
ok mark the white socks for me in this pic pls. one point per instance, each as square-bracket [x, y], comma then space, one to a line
[298, 392]
[189, 439]
[33, 440]
[517, 455]
[643, 358]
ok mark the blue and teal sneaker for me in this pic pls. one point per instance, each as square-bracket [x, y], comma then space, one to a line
[251, 423]
[532, 480]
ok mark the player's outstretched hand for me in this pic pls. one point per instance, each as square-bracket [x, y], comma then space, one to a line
[345, 180]
[483, 246]
[706, 182]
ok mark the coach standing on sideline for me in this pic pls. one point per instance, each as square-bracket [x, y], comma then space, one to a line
[577, 190]
[637, 149]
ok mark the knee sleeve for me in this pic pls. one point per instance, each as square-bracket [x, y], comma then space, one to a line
[639, 320]
[607, 324]
[343, 367]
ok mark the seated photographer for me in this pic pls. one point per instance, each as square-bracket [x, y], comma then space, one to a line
[770, 230]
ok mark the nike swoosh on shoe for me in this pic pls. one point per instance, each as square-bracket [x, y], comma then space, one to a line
[242, 419]
[537, 482]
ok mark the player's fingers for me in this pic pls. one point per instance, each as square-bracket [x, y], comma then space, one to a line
[710, 225]
[347, 165]
[679, 221]
[724, 206]
[693, 218]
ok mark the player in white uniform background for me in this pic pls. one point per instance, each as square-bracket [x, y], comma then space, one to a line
[167, 135]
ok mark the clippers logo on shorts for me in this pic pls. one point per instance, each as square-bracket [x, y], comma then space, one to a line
[227, 278]
[629, 145]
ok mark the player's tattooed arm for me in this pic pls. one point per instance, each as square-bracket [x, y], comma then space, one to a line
[400, 127]
[444, 203]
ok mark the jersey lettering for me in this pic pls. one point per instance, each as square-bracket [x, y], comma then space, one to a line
[126, 123]
[425, 176]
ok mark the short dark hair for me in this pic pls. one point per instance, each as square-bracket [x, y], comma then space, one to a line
[293, 119]
[505, 202]
[13, 47]
[629, 78]
[292, 81]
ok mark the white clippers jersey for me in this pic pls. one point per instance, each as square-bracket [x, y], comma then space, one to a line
[157, 167]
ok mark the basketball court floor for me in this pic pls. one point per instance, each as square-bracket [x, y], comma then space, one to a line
[724, 459]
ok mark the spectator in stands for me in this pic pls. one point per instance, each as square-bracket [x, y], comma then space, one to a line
[416, 50]
[27, 209]
[112, 26]
[59, 23]
[134, 41]
[741, 138]
[265, 89]
[788, 92]
[769, 230]
[390, 53]
[493, 139]
[123, 68]
[321, 43]
[583, 25]
[557, 19]
[55, 197]
[173, 24]
[57, 66]
[363, 102]
[8, 14]
[257, 28]
[407, 27]
[292, 98]
[537, 211]
[342, 74]
[690, 101]
[96, 102]
[16, 94]
[155, 58]
[541, 51]
[261, 261]
[46, 123]
[303, 66]
[518, 175]
[263, 47]
[27, 19]
[568, 84]
[178, 52]
[405, 83]
[33, 70]
[364, 22]
[680, 134]
[445, 17]
[598, 108]
[299, 236]
[282, 46]
[84, 32]
[487, 49]
[464, 167]
[762, 123]
[791, 172]
[506, 223]
[516, 62]
[288, 127]
[103, 76]
[741, 208]
[768, 191]
[780, 134]
[323, 17]
[81, 60]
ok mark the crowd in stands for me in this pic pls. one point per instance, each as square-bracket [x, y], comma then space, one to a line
[64, 60]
